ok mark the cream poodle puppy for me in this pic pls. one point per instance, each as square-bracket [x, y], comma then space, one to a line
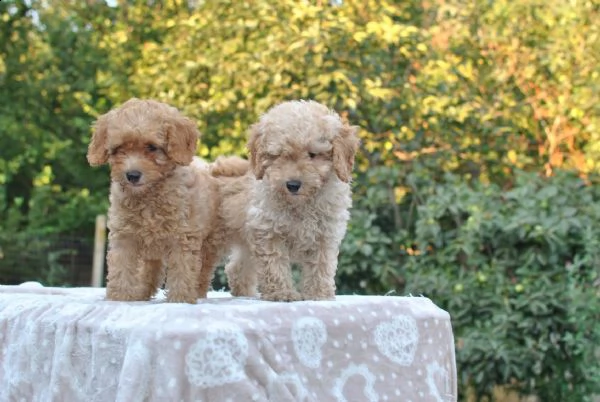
[293, 207]
[162, 216]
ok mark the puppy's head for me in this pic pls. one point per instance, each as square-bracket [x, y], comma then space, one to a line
[143, 141]
[299, 146]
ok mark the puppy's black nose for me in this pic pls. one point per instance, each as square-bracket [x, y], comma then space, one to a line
[133, 176]
[293, 186]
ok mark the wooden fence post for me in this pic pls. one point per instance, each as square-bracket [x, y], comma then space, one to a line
[99, 249]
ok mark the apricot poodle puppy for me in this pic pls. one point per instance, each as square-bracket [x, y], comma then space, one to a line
[293, 207]
[162, 215]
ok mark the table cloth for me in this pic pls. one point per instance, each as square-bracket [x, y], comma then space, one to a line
[70, 344]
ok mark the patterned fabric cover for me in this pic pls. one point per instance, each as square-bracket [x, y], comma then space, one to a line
[71, 345]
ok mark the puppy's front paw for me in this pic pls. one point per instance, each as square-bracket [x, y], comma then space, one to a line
[174, 297]
[318, 297]
[238, 291]
[114, 295]
[282, 296]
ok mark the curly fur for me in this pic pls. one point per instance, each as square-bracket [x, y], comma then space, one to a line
[230, 166]
[298, 142]
[165, 222]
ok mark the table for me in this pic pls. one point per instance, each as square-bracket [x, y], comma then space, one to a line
[70, 344]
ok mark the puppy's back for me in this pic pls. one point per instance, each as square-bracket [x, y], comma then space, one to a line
[229, 166]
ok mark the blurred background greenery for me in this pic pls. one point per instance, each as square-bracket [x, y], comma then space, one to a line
[477, 180]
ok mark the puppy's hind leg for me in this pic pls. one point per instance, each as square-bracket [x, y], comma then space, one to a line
[241, 274]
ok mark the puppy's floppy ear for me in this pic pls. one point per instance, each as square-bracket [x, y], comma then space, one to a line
[255, 148]
[182, 137]
[345, 145]
[97, 153]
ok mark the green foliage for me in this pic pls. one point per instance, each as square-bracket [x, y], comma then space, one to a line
[47, 89]
[371, 251]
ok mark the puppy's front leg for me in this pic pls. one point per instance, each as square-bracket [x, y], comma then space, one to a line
[318, 273]
[152, 277]
[182, 276]
[276, 282]
[122, 282]
[275, 273]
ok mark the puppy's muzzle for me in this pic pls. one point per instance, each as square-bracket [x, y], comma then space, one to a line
[133, 176]
[293, 186]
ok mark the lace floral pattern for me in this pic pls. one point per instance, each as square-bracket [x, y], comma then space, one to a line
[218, 357]
[398, 339]
[308, 336]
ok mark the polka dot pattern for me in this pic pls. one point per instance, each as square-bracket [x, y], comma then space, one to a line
[351, 349]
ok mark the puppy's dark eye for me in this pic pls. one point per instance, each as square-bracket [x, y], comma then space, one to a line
[114, 151]
[151, 147]
[311, 155]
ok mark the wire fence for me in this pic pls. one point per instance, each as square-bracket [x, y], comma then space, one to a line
[50, 260]
[58, 260]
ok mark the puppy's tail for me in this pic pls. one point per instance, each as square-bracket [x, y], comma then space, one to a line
[229, 166]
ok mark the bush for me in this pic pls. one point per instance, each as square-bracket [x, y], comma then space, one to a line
[517, 269]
